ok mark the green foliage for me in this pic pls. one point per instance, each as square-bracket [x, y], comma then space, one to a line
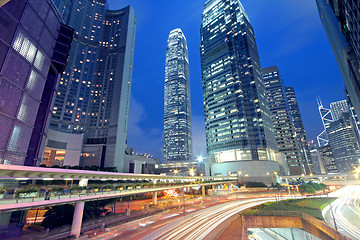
[276, 186]
[250, 212]
[255, 185]
[58, 215]
[94, 209]
[307, 189]
[312, 206]
[63, 214]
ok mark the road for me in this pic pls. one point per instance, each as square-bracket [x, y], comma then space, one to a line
[200, 222]
[346, 210]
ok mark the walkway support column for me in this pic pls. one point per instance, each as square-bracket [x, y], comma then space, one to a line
[154, 198]
[77, 219]
[203, 190]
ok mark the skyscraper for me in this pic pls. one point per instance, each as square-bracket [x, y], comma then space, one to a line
[72, 101]
[344, 142]
[92, 103]
[299, 128]
[34, 44]
[341, 22]
[338, 108]
[107, 122]
[177, 103]
[283, 122]
[326, 118]
[239, 129]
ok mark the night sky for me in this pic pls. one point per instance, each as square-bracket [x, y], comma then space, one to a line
[289, 34]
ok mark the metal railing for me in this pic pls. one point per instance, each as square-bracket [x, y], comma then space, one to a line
[103, 193]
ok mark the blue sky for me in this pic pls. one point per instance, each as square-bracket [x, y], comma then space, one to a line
[289, 34]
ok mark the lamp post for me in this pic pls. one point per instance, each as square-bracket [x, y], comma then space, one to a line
[183, 190]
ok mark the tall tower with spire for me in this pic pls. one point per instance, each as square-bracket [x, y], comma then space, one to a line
[177, 102]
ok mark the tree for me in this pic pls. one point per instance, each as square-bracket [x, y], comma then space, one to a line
[307, 189]
[58, 216]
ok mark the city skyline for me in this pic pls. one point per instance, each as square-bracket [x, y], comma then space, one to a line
[303, 29]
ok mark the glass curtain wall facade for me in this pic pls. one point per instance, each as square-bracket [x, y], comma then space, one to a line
[283, 123]
[341, 22]
[299, 129]
[94, 92]
[33, 51]
[110, 97]
[344, 142]
[326, 118]
[72, 101]
[338, 108]
[237, 116]
[177, 102]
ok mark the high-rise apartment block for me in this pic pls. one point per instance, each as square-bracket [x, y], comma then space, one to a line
[34, 44]
[177, 103]
[239, 129]
[283, 121]
[92, 102]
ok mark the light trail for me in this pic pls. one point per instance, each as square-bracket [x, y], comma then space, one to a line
[345, 208]
[200, 225]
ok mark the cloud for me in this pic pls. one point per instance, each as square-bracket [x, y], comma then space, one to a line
[143, 139]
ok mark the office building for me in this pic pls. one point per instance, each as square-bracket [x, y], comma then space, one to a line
[344, 142]
[94, 92]
[326, 118]
[177, 103]
[338, 108]
[108, 116]
[239, 131]
[299, 129]
[340, 19]
[283, 122]
[326, 155]
[34, 45]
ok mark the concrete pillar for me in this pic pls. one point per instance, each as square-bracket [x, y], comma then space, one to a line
[154, 198]
[77, 219]
[203, 190]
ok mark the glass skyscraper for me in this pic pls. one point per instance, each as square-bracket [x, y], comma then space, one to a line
[341, 22]
[92, 102]
[283, 122]
[177, 102]
[299, 129]
[237, 117]
[344, 142]
[107, 122]
[72, 100]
